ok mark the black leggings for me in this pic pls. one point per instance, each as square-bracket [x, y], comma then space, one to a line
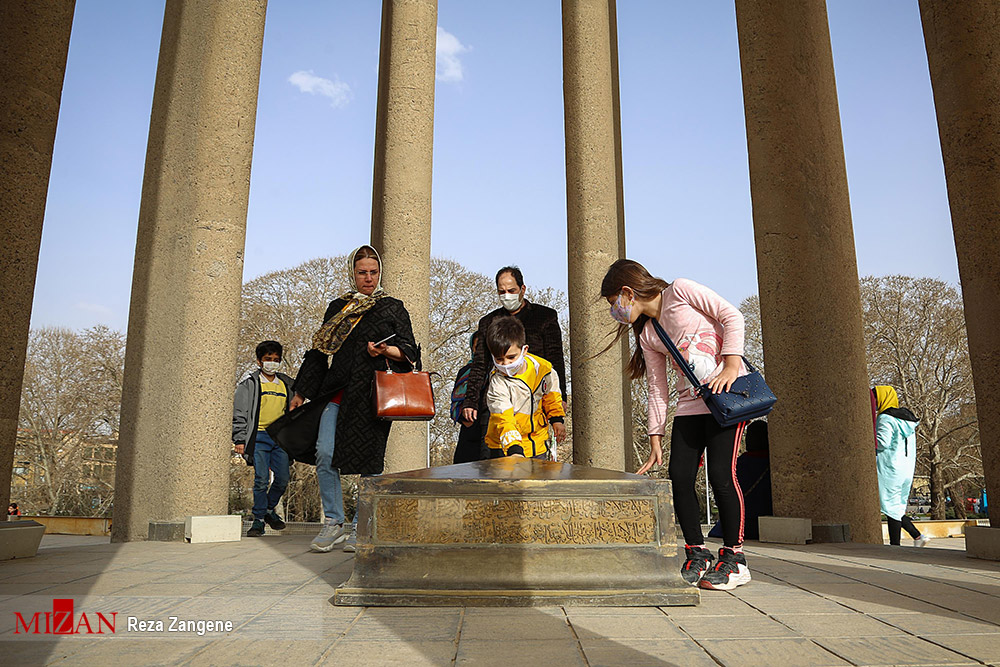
[690, 436]
[894, 532]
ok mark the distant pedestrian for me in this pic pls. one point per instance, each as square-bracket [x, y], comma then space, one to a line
[895, 460]
[13, 511]
[260, 399]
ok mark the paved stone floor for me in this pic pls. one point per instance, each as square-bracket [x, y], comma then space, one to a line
[842, 604]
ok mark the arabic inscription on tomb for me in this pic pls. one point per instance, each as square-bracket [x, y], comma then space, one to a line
[571, 521]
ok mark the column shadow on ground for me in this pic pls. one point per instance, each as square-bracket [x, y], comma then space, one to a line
[268, 580]
[277, 592]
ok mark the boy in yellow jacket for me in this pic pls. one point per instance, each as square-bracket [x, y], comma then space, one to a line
[522, 395]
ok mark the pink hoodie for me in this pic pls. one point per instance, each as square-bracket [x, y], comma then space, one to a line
[705, 327]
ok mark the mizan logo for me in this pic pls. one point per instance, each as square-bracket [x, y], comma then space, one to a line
[62, 621]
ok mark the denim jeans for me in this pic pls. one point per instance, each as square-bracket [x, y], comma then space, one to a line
[268, 457]
[329, 477]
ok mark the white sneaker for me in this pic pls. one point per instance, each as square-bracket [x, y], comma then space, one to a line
[729, 572]
[922, 541]
[330, 535]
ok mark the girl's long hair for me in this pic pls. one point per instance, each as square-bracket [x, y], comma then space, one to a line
[627, 273]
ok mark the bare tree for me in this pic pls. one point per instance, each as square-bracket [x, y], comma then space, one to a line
[753, 337]
[459, 298]
[287, 306]
[69, 408]
[916, 341]
[73, 381]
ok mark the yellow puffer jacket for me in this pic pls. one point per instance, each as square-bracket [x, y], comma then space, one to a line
[521, 408]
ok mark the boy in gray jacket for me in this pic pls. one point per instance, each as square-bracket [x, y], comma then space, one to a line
[260, 399]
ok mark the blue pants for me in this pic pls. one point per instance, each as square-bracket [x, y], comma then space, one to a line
[268, 457]
[330, 490]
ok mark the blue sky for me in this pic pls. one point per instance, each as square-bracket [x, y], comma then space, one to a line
[498, 155]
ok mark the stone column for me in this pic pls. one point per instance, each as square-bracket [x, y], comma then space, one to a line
[631, 464]
[173, 455]
[34, 41]
[822, 449]
[401, 198]
[595, 225]
[962, 51]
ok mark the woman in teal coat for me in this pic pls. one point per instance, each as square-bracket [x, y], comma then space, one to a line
[896, 458]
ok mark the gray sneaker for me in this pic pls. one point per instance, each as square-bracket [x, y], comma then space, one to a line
[351, 543]
[329, 536]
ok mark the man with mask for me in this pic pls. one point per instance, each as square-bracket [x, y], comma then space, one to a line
[542, 336]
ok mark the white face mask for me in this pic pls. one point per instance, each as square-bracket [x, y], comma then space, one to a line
[514, 367]
[510, 301]
[270, 367]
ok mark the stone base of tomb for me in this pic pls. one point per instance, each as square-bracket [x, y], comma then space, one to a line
[515, 532]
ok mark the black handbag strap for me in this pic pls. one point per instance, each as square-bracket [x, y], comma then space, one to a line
[679, 359]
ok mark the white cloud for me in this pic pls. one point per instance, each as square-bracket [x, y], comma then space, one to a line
[449, 48]
[336, 90]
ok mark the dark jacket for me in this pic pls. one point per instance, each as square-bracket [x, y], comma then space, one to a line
[361, 437]
[543, 338]
[246, 410]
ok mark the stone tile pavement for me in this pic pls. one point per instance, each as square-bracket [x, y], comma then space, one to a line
[844, 604]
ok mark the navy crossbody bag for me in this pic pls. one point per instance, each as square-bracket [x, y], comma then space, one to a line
[748, 397]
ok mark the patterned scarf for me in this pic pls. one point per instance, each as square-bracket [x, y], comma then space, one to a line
[335, 330]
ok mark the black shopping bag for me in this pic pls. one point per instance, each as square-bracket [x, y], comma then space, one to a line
[296, 431]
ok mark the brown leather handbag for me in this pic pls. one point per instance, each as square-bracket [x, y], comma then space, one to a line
[403, 396]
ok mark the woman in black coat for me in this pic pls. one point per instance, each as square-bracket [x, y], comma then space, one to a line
[363, 330]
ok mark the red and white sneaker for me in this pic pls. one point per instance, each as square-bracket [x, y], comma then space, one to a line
[731, 571]
[699, 559]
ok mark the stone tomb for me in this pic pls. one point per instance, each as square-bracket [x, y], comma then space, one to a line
[515, 532]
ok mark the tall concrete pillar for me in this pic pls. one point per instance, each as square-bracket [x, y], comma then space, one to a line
[401, 198]
[173, 455]
[962, 51]
[34, 41]
[631, 462]
[822, 456]
[595, 226]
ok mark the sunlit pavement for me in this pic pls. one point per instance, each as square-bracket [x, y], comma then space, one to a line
[843, 604]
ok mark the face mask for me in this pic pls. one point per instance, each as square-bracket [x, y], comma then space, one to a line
[270, 367]
[622, 312]
[513, 368]
[510, 301]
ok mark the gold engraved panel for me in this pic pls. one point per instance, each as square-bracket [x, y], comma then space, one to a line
[570, 521]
